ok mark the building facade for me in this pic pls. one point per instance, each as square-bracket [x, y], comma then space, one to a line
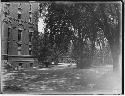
[17, 27]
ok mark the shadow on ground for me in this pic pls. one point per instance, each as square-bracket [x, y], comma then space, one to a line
[61, 81]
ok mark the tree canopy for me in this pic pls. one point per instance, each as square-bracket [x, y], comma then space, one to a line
[79, 22]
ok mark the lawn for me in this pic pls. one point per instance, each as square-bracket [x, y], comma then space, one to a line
[65, 80]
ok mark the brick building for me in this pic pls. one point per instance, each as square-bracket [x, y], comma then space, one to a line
[17, 27]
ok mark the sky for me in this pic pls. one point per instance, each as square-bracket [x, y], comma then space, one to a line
[41, 25]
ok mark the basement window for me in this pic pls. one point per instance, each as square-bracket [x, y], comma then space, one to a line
[31, 64]
[21, 64]
[30, 52]
[19, 52]
[19, 15]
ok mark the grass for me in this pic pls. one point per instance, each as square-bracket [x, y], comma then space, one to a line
[54, 80]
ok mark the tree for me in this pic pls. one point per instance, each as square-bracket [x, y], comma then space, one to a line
[115, 32]
[78, 22]
[40, 44]
[80, 17]
[59, 34]
[102, 52]
[103, 15]
[53, 43]
[110, 17]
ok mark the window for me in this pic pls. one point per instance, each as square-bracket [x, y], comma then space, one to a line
[19, 34]
[20, 64]
[30, 36]
[19, 15]
[30, 52]
[7, 4]
[30, 15]
[19, 46]
[31, 64]
[30, 12]
[19, 52]
[6, 13]
[19, 7]
[30, 46]
[30, 49]
[20, 22]
[9, 30]
[30, 20]
[7, 47]
[30, 7]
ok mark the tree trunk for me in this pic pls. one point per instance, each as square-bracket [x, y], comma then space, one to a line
[56, 61]
[83, 61]
[115, 50]
[79, 63]
[113, 37]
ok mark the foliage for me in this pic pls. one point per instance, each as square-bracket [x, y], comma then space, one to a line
[79, 22]
[111, 27]
[40, 44]
[104, 16]
[59, 34]
[7, 66]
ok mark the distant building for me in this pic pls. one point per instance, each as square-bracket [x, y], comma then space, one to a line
[17, 27]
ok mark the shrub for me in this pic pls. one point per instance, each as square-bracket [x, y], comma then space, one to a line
[8, 66]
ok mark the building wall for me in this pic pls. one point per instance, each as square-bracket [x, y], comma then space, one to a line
[3, 35]
[13, 26]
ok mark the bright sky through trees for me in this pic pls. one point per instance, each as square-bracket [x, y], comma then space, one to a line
[41, 22]
[41, 25]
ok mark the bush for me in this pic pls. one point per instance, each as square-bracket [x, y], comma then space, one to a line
[8, 66]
